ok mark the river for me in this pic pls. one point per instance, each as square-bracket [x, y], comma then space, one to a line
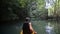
[40, 26]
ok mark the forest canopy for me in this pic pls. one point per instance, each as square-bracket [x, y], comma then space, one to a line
[19, 9]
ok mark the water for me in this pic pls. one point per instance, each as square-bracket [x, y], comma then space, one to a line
[46, 27]
[49, 29]
[40, 26]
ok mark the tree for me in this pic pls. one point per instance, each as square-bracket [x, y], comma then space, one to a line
[38, 8]
[13, 9]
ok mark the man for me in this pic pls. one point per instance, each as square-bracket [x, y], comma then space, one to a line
[27, 27]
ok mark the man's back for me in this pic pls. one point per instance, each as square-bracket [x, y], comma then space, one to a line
[26, 29]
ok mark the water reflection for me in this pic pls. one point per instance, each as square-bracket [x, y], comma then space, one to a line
[46, 27]
[49, 28]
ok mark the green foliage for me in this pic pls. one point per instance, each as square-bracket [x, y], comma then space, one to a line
[39, 9]
[55, 9]
[18, 9]
[40, 4]
[13, 9]
[23, 3]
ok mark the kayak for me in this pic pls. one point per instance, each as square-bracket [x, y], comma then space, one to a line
[22, 32]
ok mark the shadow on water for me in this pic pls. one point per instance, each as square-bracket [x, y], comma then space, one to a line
[11, 28]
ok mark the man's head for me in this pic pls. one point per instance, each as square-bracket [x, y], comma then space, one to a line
[27, 19]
